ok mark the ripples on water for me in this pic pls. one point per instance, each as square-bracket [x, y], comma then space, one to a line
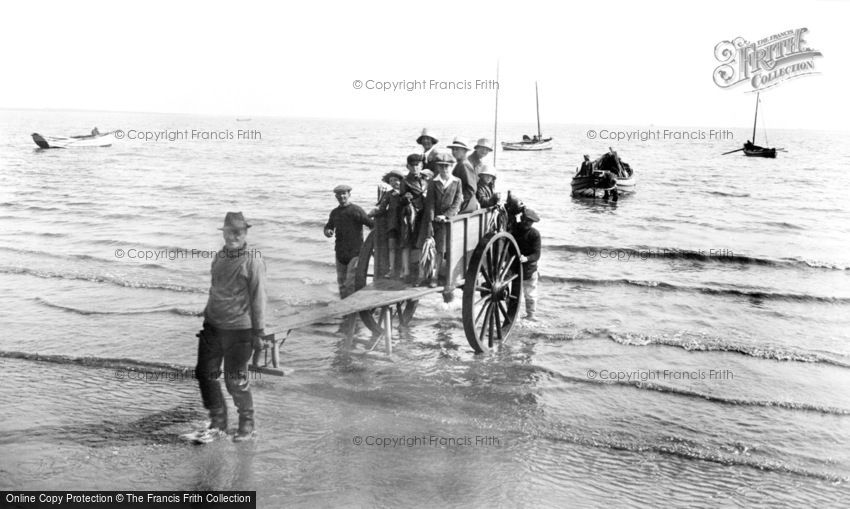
[718, 264]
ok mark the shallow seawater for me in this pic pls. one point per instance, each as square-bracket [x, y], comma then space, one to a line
[692, 348]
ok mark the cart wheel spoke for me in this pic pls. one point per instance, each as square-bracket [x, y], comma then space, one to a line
[482, 299]
[484, 325]
[510, 279]
[481, 311]
[504, 312]
[504, 272]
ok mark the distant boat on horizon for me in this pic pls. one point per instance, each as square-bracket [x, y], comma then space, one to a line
[528, 143]
[243, 119]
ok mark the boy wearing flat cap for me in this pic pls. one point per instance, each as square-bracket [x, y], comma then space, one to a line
[234, 319]
[346, 222]
[442, 201]
[413, 188]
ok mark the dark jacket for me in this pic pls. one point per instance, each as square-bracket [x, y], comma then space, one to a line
[390, 209]
[347, 223]
[486, 195]
[469, 184]
[528, 241]
[440, 200]
[237, 299]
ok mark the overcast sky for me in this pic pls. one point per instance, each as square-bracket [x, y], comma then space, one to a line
[627, 63]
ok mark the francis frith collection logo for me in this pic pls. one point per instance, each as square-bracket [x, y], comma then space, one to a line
[765, 63]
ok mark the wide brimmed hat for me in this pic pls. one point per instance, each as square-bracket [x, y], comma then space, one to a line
[530, 215]
[426, 135]
[458, 143]
[484, 143]
[486, 169]
[443, 158]
[235, 221]
[393, 173]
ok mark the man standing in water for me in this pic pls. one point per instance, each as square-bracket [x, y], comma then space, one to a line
[346, 222]
[528, 239]
[234, 320]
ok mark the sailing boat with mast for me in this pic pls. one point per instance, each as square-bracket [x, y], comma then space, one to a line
[528, 143]
[750, 148]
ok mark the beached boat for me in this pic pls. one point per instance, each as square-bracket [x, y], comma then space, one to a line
[89, 140]
[607, 175]
[528, 143]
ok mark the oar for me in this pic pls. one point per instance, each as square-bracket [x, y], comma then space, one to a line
[731, 151]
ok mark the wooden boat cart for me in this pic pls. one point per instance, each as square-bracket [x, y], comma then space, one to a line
[482, 260]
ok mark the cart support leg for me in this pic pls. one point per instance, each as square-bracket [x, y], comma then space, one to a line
[387, 319]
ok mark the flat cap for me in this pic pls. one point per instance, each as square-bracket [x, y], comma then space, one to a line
[530, 215]
[342, 188]
[443, 158]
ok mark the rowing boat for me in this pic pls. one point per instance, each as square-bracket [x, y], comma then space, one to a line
[99, 140]
[608, 173]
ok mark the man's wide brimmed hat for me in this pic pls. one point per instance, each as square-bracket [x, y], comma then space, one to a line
[458, 143]
[486, 169]
[393, 173]
[443, 158]
[235, 221]
[426, 135]
[484, 143]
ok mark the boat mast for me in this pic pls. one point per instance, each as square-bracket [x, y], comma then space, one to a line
[537, 100]
[496, 119]
[756, 118]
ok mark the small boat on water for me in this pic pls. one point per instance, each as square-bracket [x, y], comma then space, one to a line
[529, 143]
[751, 149]
[86, 140]
[607, 175]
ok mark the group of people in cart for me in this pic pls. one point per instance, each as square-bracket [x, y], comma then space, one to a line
[414, 206]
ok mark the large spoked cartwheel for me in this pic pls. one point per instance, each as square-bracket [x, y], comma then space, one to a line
[491, 291]
[365, 275]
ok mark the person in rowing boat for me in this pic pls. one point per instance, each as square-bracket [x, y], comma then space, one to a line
[429, 144]
[234, 319]
[586, 167]
[466, 173]
[95, 131]
[480, 152]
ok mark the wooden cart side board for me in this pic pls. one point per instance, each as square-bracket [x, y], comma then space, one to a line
[464, 233]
